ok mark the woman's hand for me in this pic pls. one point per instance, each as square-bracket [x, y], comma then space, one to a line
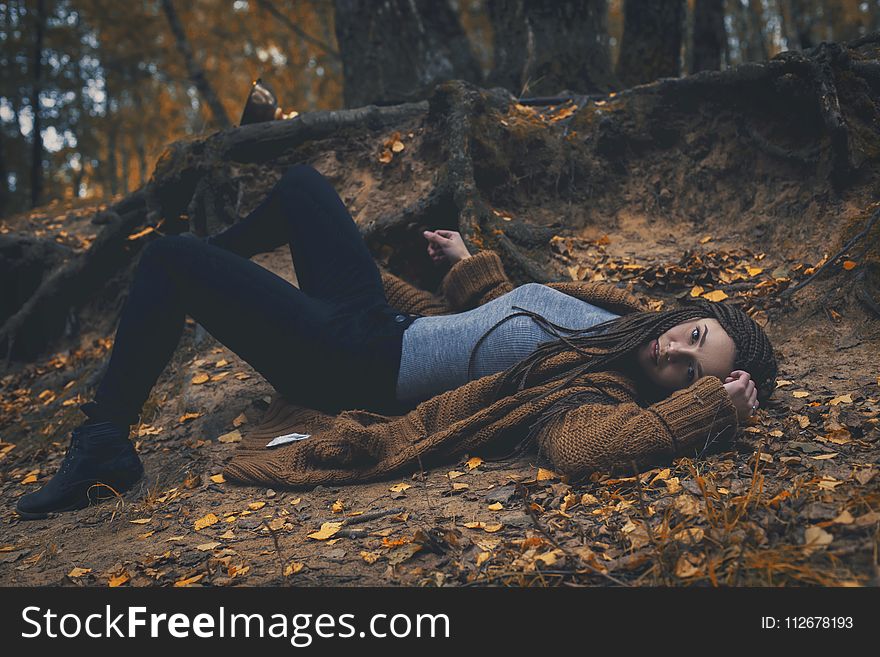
[743, 393]
[445, 245]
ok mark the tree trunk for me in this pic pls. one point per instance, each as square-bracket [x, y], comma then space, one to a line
[709, 35]
[37, 140]
[196, 74]
[398, 50]
[570, 41]
[756, 45]
[509, 40]
[651, 43]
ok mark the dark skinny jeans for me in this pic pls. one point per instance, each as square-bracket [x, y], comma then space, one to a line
[332, 344]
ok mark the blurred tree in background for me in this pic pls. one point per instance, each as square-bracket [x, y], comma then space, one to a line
[92, 90]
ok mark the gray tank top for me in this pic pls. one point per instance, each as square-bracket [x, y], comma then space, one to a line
[437, 350]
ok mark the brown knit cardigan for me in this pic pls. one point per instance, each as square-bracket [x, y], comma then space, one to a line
[601, 425]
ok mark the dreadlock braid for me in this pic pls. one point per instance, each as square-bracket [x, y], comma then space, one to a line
[607, 343]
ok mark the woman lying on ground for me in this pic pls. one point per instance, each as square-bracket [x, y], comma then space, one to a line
[581, 369]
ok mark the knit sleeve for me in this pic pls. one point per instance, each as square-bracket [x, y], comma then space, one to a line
[611, 436]
[474, 281]
[410, 299]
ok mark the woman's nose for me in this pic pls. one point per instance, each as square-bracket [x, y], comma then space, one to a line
[676, 350]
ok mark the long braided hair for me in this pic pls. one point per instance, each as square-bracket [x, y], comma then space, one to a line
[609, 343]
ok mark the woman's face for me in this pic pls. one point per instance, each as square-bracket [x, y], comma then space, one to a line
[686, 352]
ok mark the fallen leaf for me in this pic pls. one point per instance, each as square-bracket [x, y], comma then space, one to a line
[497, 506]
[337, 507]
[816, 537]
[697, 290]
[397, 146]
[370, 557]
[218, 478]
[474, 462]
[458, 486]
[30, 479]
[783, 382]
[207, 547]
[867, 519]
[140, 521]
[221, 363]
[845, 518]
[227, 535]
[454, 473]
[482, 557]
[803, 420]
[118, 580]
[399, 488]
[707, 238]
[754, 271]
[824, 457]
[238, 421]
[186, 417]
[544, 475]
[842, 399]
[206, 521]
[238, 571]
[800, 394]
[715, 295]
[78, 572]
[256, 506]
[688, 565]
[386, 156]
[231, 437]
[293, 568]
[776, 433]
[849, 264]
[199, 379]
[189, 581]
[327, 530]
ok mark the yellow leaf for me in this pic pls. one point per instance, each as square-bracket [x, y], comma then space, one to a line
[474, 462]
[221, 363]
[824, 457]
[544, 475]
[800, 394]
[256, 506]
[327, 530]
[118, 580]
[238, 571]
[842, 399]
[206, 521]
[492, 527]
[218, 479]
[337, 506]
[30, 479]
[227, 535]
[188, 581]
[79, 572]
[231, 437]
[186, 417]
[200, 378]
[783, 382]
[370, 557]
[397, 146]
[497, 506]
[140, 521]
[218, 377]
[776, 433]
[803, 420]
[482, 557]
[454, 473]
[293, 568]
[145, 231]
[754, 271]
[399, 488]
[708, 238]
[457, 486]
[845, 518]
[849, 264]
[715, 295]
[696, 290]
[238, 421]
[386, 156]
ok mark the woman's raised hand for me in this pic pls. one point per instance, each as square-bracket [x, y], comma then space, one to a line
[445, 245]
[743, 393]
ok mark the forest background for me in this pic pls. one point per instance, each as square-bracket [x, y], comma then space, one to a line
[108, 85]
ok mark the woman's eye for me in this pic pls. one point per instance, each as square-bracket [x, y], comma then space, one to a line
[690, 373]
[695, 334]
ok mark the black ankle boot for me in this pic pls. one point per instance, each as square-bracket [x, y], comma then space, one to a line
[100, 463]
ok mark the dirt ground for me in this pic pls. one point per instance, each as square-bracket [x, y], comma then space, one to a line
[794, 500]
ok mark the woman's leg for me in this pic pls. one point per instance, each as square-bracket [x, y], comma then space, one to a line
[295, 341]
[330, 256]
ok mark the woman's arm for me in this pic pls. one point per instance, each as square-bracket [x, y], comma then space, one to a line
[613, 435]
[474, 281]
